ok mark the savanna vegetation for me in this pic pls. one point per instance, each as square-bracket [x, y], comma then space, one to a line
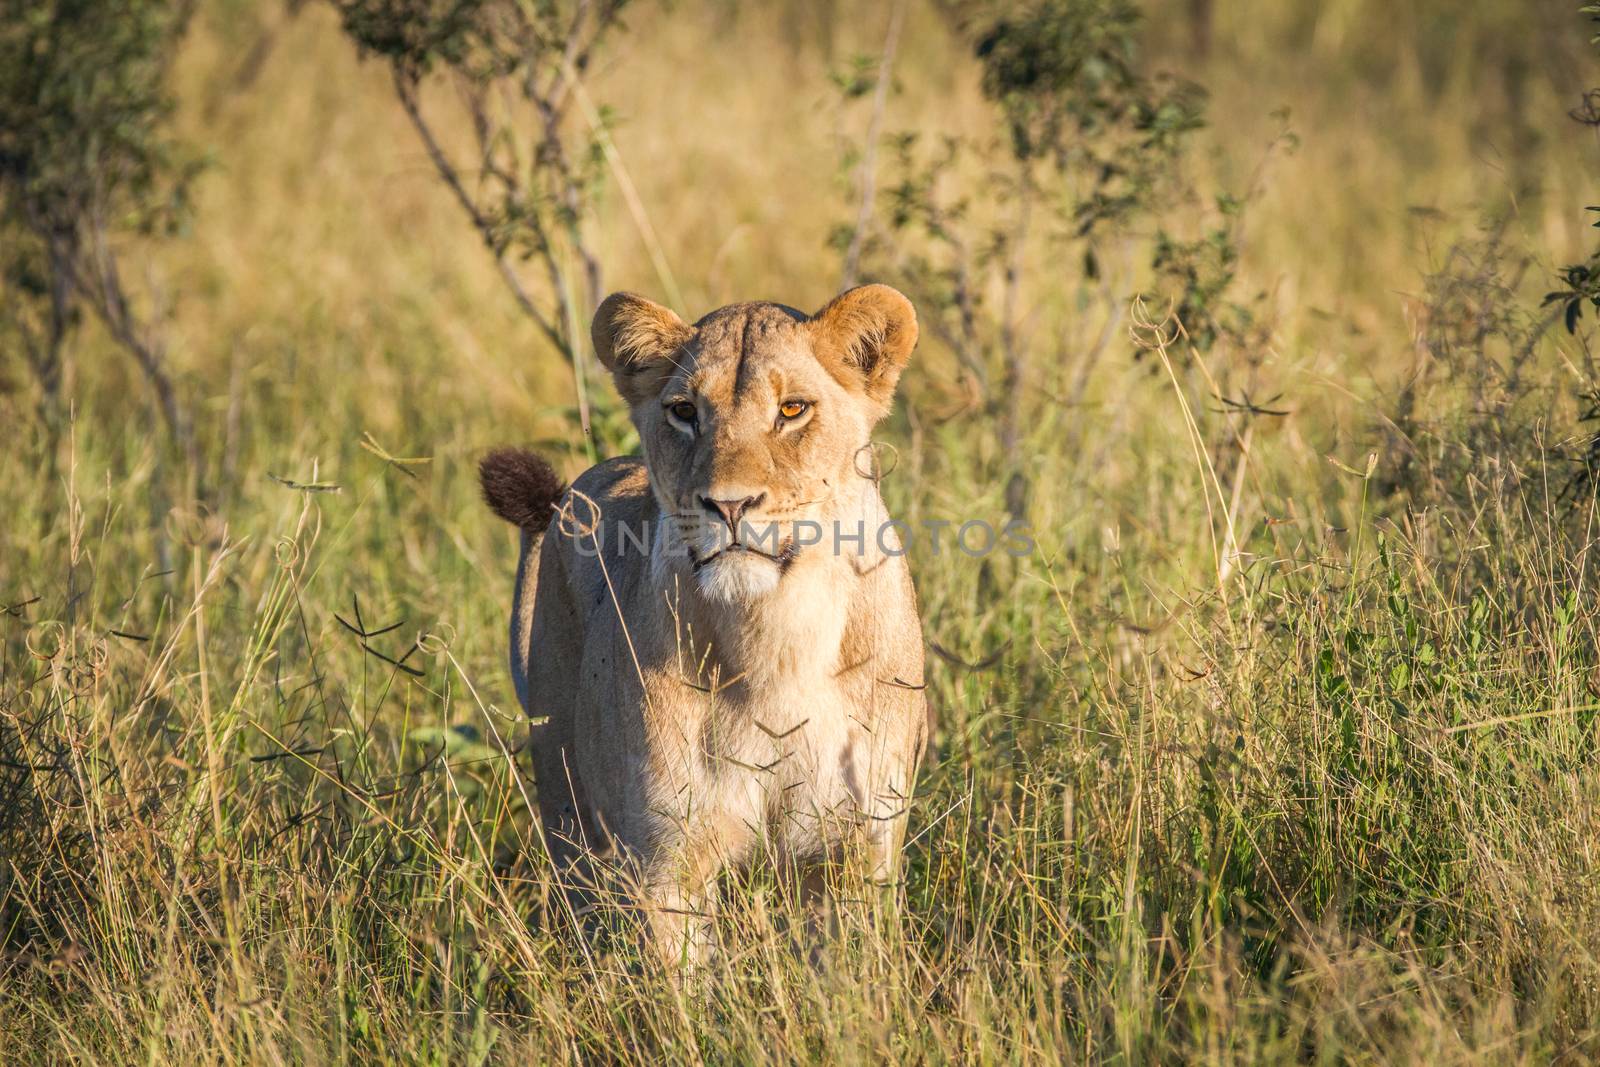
[1273, 321]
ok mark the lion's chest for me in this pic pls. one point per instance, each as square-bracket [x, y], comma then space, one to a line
[770, 728]
[768, 733]
[792, 764]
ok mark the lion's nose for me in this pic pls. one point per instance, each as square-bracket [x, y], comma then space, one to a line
[730, 511]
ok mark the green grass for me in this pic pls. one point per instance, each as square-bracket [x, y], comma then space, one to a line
[1334, 798]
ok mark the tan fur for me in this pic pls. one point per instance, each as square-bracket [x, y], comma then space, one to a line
[700, 716]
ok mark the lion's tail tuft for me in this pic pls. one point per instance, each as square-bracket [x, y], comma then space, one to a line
[520, 487]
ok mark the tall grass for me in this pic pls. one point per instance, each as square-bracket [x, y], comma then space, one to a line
[1324, 789]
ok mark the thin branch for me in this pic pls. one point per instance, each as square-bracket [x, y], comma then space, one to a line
[1014, 366]
[869, 160]
[92, 272]
[405, 89]
[1115, 308]
[630, 196]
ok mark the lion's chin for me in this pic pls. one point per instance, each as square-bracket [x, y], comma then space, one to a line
[736, 577]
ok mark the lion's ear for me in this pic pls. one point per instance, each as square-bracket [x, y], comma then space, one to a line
[864, 338]
[636, 338]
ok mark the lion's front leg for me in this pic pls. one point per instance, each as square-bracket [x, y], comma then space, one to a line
[881, 842]
[677, 886]
[679, 922]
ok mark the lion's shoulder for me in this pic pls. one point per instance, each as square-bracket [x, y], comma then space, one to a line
[619, 479]
[613, 493]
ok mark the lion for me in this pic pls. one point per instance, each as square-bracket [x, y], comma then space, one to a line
[721, 636]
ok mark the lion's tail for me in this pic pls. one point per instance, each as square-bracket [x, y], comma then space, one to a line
[520, 487]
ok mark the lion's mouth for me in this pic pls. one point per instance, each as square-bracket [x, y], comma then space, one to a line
[780, 559]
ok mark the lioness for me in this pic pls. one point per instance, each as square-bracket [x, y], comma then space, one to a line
[723, 635]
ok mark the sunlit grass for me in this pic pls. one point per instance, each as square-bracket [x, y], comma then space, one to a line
[260, 798]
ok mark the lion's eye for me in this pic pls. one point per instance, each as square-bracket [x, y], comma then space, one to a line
[793, 409]
[683, 411]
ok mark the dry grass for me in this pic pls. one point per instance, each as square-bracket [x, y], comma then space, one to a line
[1340, 803]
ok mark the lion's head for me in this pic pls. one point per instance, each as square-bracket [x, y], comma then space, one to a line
[755, 418]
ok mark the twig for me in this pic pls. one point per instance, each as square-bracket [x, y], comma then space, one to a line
[405, 88]
[869, 159]
[630, 195]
